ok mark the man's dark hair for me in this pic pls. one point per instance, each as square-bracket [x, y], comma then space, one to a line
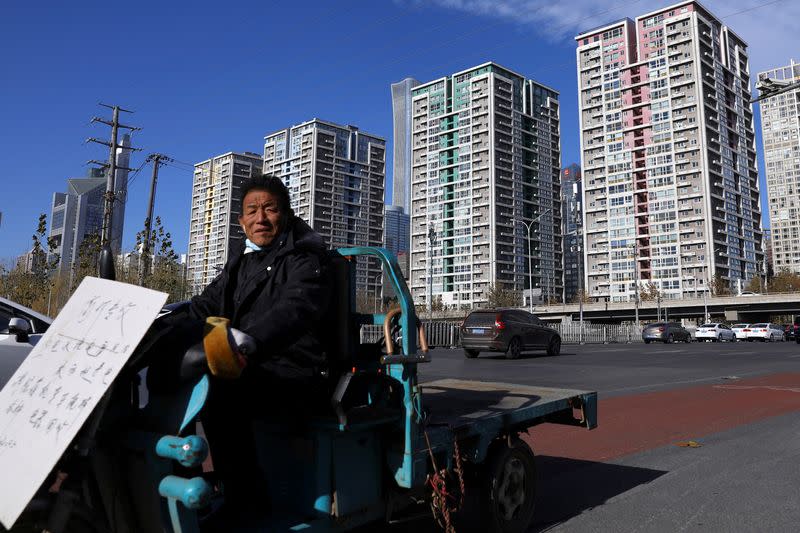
[271, 184]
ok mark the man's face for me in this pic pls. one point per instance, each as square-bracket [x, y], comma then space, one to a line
[261, 217]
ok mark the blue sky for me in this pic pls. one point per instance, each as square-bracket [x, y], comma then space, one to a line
[209, 77]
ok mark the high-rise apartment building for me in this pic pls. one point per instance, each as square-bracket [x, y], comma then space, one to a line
[396, 231]
[486, 161]
[214, 220]
[395, 239]
[571, 214]
[78, 213]
[401, 118]
[780, 122]
[668, 155]
[336, 177]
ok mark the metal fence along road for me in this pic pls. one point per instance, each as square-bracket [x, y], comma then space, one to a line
[444, 334]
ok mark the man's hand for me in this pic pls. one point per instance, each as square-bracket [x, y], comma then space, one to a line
[226, 348]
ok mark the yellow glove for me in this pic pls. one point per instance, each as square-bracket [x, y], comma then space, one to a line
[223, 360]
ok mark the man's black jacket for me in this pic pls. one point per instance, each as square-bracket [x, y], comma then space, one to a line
[281, 303]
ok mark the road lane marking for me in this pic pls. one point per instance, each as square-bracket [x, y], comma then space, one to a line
[682, 382]
[748, 387]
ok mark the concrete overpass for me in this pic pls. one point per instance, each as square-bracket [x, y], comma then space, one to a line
[752, 308]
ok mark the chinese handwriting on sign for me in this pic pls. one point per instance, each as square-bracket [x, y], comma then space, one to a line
[62, 380]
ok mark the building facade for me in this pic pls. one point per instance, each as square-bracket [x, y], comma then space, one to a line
[396, 239]
[671, 197]
[395, 229]
[401, 164]
[572, 217]
[486, 161]
[214, 220]
[336, 177]
[780, 122]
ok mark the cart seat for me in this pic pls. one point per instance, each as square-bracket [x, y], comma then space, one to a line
[349, 393]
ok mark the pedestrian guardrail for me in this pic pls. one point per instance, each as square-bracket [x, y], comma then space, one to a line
[447, 334]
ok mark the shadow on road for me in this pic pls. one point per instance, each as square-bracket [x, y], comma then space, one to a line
[567, 487]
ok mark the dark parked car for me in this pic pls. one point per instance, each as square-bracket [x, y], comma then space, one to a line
[668, 332]
[507, 330]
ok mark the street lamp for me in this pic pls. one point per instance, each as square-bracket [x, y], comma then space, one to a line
[528, 225]
[377, 292]
[636, 276]
[431, 243]
[580, 282]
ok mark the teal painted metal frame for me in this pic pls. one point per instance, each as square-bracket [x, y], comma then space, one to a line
[409, 470]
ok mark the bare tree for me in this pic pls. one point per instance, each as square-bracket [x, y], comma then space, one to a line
[500, 296]
[720, 287]
[649, 292]
[166, 274]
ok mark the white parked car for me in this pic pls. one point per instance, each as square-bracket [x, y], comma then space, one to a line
[715, 333]
[741, 331]
[20, 329]
[766, 332]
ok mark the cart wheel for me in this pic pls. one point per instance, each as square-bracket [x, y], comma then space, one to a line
[470, 354]
[555, 346]
[511, 486]
[514, 349]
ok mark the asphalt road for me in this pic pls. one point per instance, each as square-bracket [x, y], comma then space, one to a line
[615, 369]
[739, 402]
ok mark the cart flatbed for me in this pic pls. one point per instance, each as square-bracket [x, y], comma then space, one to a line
[465, 409]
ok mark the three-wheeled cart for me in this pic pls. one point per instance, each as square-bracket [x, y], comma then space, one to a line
[387, 443]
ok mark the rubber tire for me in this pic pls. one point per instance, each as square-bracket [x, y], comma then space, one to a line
[471, 354]
[670, 339]
[554, 347]
[499, 457]
[514, 350]
[647, 341]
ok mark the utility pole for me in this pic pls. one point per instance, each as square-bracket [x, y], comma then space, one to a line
[144, 261]
[106, 257]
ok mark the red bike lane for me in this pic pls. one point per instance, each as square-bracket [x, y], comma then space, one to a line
[640, 422]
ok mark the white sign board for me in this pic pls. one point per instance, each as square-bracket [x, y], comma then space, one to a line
[57, 386]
